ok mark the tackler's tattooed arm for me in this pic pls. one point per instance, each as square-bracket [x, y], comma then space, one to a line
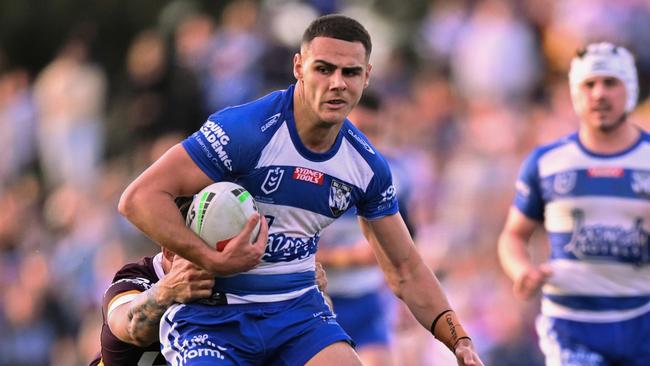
[145, 313]
[137, 321]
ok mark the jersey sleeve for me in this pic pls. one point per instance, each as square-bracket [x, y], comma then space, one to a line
[380, 198]
[131, 280]
[224, 146]
[528, 195]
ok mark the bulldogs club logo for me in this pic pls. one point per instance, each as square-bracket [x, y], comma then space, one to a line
[340, 197]
[641, 183]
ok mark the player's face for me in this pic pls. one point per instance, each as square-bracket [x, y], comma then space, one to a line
[601, 102]
[332, 74]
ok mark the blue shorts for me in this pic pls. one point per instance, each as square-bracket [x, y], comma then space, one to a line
[365, 318]
[571, 343]
[280, 333]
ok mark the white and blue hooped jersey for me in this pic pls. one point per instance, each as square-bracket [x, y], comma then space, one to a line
[300, 192]
[596, 211]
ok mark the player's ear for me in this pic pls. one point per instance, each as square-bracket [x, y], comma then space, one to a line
[297, 66]
[368, 68]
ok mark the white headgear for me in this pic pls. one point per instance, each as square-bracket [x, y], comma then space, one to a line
[605, 59]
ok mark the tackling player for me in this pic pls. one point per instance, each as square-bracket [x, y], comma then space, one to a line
[139, 295]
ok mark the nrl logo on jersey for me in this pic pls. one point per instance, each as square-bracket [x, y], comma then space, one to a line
[272, 181]
[340, 197]
[564, 182]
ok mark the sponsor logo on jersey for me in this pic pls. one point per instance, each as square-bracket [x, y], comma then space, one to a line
[140, 281]
[605, 172]
[282, 248]
[564, 182]
[641, 183]
[522, 188]
[389, 194]
[361, 141]
[628, 245]
[200, 346]
[272, 181]
[270, 122]
[218, 139]
[308, 175]
[340, 197]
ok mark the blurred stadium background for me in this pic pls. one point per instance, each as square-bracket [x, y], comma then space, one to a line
[92, 91]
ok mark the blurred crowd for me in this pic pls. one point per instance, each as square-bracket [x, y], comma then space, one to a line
[469, 88]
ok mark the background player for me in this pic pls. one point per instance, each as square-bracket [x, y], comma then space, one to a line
[306, 165]
[590, 190]
[362, 304]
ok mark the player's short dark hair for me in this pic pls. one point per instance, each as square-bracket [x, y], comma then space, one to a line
[338, 27]
[183, 203]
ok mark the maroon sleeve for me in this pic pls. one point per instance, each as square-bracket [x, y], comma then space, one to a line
[138, 277]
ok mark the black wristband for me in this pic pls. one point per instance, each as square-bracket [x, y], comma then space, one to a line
[458, 340]
[433, 325]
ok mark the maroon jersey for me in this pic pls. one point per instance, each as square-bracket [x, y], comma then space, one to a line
[128, 282]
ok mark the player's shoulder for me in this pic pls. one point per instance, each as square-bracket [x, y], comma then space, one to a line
[645, 136]
[257, 117]
[133, 277]
[363, 146]
[544, 149]
[141, 274]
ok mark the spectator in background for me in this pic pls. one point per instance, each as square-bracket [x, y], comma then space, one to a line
[232, 76]
[158, 97]
[17, 125]
[590, 190]
[70, 98]
[495, 55]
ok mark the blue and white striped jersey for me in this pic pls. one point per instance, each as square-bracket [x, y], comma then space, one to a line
[300, 192]
[596, 210]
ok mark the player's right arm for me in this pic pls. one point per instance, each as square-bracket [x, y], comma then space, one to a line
[527, 277]
[137, 321]
[523, 219]
[148, 202]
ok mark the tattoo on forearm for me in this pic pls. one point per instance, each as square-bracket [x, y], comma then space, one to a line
[144, 316]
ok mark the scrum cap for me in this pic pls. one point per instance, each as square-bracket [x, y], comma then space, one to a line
[605, 59]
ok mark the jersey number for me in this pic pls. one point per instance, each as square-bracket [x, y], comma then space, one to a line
[148, 359]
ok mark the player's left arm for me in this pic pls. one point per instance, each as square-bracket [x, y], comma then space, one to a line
[415, 284]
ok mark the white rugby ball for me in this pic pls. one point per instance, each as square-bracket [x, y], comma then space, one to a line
[219, 212]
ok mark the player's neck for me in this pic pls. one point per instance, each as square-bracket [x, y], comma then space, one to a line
[609, 142]
[316, 135]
